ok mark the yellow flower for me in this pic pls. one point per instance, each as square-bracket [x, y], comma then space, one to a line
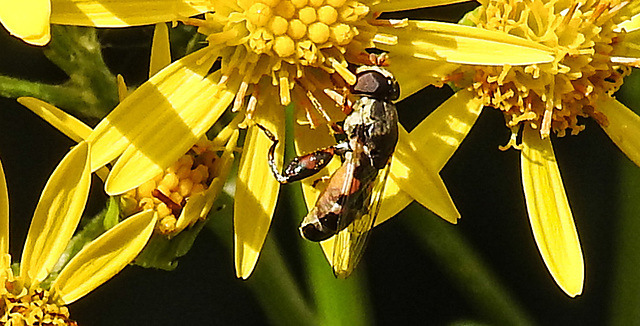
[25, 301]
[179, 196]
[276, 53]
[182, 194]
[592, 43]
[30, 19]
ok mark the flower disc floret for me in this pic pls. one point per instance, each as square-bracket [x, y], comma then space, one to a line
[551, 96]
[283, 39]
[32, 308]
[168, 192]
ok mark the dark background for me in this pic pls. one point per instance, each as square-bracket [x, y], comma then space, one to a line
[405, 283]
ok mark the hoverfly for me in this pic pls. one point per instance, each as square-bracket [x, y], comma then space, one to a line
[349, 205]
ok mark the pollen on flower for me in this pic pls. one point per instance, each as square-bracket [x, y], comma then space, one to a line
[551, 96]
[285, 41]
[168, 192]
[21, 306]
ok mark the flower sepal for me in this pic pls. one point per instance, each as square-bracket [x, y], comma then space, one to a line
[163, 253]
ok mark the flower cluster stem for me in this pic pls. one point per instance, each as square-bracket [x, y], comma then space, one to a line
[272, 282]
[91, 89]
[624, 307]
[338, 301]
[78, 52]
[472, 276]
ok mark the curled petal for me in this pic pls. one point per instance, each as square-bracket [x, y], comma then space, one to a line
[549, 213]
[27, 19]
[123, 13]
[57, 214]
[104, 257]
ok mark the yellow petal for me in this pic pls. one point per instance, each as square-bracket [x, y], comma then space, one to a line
[67, 124]
[459, 44]
[435, 140]
[161, 121]
[628, 48]
[394, 200]
[123, 91]
[414, 74]
[399, 5]
[549, 213]
[420, 181]
[57, 214]
[634, 22]
[4, 214]
[623, 128]
[256, 195]
[122, 13]
[104, 257]
[160, 49]
[199, 205]
[127, 121]
[440, 134]
[27, 19]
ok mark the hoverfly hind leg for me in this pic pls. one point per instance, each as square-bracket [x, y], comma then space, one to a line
[300, 167]
[271, 156]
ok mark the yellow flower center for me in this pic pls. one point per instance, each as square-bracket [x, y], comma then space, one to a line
[551, 96]
[282, 39]
[21, 306]
[168, 192]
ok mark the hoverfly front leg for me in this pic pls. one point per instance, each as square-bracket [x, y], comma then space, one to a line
[304, 166]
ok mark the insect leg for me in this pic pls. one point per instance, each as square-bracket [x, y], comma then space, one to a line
[304, 166]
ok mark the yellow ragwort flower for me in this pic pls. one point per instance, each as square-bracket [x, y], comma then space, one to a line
[29, 19]
[24, 300]
[179, 196]
[279, 52]
[593, 45]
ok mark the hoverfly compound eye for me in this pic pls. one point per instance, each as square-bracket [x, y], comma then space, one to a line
[376, 82]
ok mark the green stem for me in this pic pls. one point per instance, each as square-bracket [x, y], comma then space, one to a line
[91, 90]
[59, 95]
[625, 302]
[272, 282]
[77, 51]
[338, 302]
[468, 271]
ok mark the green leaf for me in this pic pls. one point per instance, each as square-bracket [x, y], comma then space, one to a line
[163, 253]
[112, 215]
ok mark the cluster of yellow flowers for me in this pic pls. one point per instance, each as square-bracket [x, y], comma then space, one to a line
[541, 62]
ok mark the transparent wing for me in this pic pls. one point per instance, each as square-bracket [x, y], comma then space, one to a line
[358, 217]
